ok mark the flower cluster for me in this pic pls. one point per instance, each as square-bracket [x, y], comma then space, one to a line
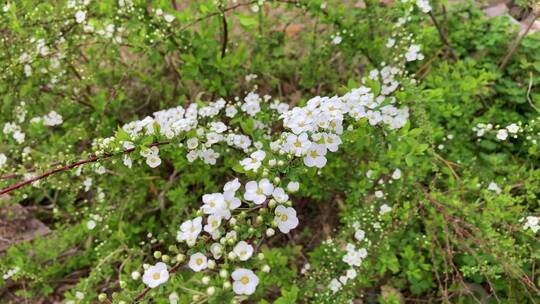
[51, 119]
[502, 134]
[533, 223]
[353, 257]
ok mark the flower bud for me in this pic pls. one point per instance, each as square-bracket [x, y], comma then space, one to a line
[165, 258]
[223, 273]
[232, 255]
[259, 220]
[135, 275]
[277, 180]
[270, 232]
[157, 254]
[205, 280]
[260, 256]
[102, 297]
[226, 285]
[180, 258]
[266, 268]
[211, 264]
[210, 290]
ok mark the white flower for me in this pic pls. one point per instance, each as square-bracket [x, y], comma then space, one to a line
[297, 144]
[359, 235]
[232, 186]
[217, 250]
[214, 203]
[332, 142]
[79, 295]
[293, 186]
[532, 223]
[315, 156]
[213, 225]
[285, 218]
[243, 251]
[145, 152]
[153, 160]
[337, 39]
[209, 156]
[80, 16]
[198, 262]
[91, 224]
[169, 18]
[253, 162]
[513, 128]
[390, 42]
[334, 285]
[413, 53]
[397, 174]
[156, 275]
[127, 161]
[192, 143]
[502, 134]
[173, 298]
[190, 230]
[231, 203]
[3, 160]
[494, 187]
[423, 5]
[230, 111]
[245, 281]
[354, 257]
[384, 209]
[279, 195]
[257, 192]
[135, 275]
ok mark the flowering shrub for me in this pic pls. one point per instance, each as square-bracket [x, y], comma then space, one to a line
[193, 152]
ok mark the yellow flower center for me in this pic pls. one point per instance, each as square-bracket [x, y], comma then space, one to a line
[259, 191]
[314, 153]
[156, 276]
[199, 261]
[244, 280]
[243, 253]
[283, 217]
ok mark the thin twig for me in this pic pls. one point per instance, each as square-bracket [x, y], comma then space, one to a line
[225, 34]
[442, 34]
[529, 99]
[91, 159]
[517, 41]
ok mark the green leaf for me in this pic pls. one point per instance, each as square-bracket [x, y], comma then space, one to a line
[247, 21]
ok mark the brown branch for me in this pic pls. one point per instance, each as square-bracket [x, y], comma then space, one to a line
[529, 99]
[517, 41]
[225, 35]
[442, 34]
[91, 159]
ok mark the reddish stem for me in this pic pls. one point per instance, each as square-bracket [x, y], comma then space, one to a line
[91, 159]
